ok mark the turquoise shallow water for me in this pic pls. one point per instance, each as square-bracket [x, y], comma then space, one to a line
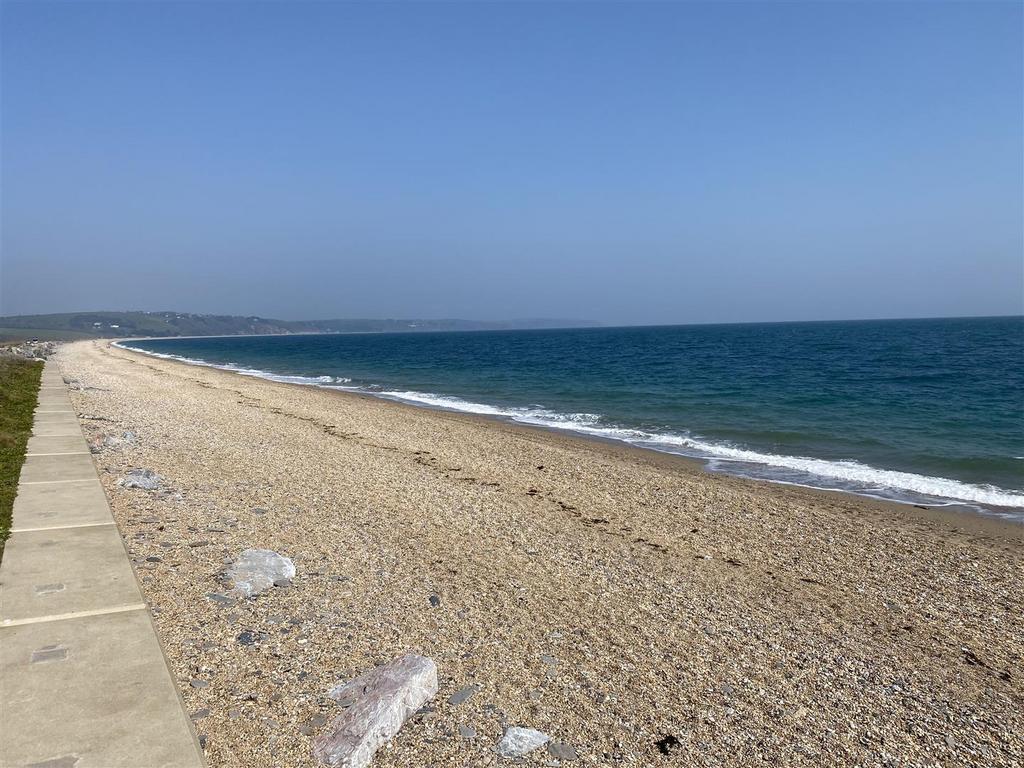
[928, 411]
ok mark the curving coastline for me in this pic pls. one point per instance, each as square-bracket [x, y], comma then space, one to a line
[842, 475]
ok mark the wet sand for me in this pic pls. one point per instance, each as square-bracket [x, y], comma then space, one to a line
[635, 608]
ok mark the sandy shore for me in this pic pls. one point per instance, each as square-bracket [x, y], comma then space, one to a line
[607, 596]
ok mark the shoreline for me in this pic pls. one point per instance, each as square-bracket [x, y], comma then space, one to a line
[609, 596]
[1013, 517]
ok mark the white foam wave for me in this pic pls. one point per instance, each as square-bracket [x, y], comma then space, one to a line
[848, 475]
[312, 381]
[851, 474]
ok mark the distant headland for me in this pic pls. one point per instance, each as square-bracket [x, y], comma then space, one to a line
[81, 325]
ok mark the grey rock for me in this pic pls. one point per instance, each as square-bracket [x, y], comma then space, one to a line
[282, 583]
[67, 761]
[383, 699]
[248, 637]
[256, 570]
[561, 751]
[145, 479]
[462, 694]
[549, 659]
[466, 732]
[199, 683]
[199, 714]
[520, 741]
[49, 653]
[435, 601]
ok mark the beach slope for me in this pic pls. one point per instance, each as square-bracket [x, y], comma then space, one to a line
[633, 607]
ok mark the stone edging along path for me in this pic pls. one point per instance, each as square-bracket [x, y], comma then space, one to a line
[83, 680]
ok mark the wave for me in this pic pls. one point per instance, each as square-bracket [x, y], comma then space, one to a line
[311, 381]
[845, 475]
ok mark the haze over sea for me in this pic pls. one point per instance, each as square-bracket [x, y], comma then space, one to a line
[922, 411]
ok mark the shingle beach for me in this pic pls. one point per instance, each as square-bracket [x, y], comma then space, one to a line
[629, 605]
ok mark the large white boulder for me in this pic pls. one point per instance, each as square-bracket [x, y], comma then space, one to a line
[378, 704]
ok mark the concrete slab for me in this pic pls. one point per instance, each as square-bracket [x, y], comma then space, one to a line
[68, 570]
[38, 469]
[45, 506]
[62, 427]
[98, 691]
[53, 392]
[56, 444]
[48, 416]
[46, 404]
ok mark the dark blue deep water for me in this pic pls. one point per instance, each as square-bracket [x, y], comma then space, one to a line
[929, 411]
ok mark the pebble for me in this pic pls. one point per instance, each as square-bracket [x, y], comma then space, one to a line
[561, 751]
[463, 694]
[520, 741]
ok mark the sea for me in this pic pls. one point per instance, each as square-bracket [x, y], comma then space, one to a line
[927, 412]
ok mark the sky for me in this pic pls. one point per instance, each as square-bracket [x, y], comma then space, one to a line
[623, 163]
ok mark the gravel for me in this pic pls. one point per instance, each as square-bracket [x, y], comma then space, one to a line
[850, 632]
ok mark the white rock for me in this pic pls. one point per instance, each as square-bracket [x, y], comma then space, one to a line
[518, 741]
[379, 702]
[256, 570]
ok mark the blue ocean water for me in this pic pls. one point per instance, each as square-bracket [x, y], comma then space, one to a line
[923, 411]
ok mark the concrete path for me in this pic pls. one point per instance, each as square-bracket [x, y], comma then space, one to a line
[83, 681]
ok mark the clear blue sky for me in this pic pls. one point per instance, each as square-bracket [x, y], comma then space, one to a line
[624, 163]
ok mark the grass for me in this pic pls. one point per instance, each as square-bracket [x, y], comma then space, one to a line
[19, 388]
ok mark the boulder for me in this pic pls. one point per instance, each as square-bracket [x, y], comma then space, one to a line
[379, 702]
[256, 570]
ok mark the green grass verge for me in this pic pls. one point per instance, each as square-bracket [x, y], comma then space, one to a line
[19, 389]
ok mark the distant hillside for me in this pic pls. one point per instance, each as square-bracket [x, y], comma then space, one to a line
[78, 325]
